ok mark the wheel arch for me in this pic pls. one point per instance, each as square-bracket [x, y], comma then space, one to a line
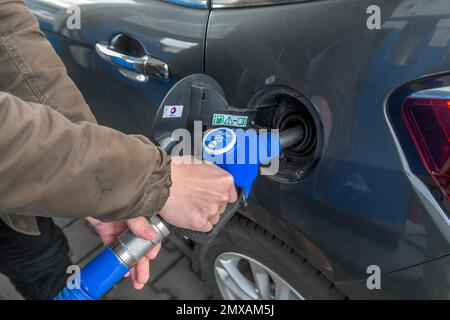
[292, 237]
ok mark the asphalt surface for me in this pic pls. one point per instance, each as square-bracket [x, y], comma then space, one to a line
[172, 276]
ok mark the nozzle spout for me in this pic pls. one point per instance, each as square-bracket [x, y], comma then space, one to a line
[291, 136]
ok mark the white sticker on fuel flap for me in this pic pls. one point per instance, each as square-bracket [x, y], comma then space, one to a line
[173, 111]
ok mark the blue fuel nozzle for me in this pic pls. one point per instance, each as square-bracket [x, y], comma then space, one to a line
[241, 152]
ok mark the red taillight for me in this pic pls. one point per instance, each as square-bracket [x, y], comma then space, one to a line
[428, 122]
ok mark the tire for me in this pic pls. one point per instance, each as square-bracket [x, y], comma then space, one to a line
[246, 247]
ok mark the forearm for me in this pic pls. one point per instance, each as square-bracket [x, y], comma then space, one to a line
[50, 166]
[30, 67]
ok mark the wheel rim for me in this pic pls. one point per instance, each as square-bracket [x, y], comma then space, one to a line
[240, 277]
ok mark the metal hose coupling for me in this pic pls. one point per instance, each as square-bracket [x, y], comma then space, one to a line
[131, 249]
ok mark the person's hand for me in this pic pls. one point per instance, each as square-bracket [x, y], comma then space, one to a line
[199, 194]
[140, 226]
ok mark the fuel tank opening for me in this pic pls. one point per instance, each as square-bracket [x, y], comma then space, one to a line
[289, 115]
[285, 109]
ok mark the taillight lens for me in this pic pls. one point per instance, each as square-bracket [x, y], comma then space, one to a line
[428, 122]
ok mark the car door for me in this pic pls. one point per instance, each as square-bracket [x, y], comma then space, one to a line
[124, 55]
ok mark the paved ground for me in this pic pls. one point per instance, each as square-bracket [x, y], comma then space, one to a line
[171, 274]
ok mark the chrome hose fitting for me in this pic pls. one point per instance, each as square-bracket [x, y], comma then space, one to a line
[131, 249]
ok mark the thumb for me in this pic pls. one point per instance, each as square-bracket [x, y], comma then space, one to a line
[141, 228]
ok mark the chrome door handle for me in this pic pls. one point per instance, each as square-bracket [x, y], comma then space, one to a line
[136, 68]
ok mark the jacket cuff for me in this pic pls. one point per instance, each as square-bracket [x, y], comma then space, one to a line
[158, 189]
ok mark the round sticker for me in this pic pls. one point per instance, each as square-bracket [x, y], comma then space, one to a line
[219, 141]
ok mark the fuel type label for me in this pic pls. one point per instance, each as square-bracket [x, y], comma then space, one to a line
[173, 111]
[229, 120]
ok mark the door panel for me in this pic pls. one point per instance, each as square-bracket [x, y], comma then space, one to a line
[357, 208]
[115, 99]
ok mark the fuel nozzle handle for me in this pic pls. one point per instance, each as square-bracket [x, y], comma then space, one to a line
[243, 172]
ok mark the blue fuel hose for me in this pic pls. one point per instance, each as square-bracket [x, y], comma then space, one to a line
[110, 266]
[97, 277]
